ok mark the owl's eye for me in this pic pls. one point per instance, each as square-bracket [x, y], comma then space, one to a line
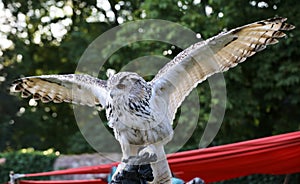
[121, 86]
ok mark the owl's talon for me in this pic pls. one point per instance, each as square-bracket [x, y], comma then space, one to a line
[146, 157]
[147, 154]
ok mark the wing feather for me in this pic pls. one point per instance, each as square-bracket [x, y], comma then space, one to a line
[73, 88]
[217, 54]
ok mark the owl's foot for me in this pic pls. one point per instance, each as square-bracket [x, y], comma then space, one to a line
[144, 159]
[147, 154]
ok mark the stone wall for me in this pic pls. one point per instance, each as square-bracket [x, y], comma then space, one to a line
[75, 161]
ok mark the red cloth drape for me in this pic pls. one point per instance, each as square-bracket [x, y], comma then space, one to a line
[98, 181]
[278, 154]
[272, 155]
[106, 168]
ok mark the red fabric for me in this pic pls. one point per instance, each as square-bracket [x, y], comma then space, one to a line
[99, 181]
[271, 155]
[106, 168]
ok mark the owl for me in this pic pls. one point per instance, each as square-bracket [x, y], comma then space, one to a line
[141, 112]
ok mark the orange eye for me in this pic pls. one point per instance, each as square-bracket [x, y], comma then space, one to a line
[121, 86]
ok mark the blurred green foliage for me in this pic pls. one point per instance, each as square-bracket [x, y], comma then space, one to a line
[26, 160]
[263, 93]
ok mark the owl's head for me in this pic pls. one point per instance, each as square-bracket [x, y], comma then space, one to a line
[126, 84]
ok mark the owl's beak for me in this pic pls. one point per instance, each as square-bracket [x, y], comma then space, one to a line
[112, 94]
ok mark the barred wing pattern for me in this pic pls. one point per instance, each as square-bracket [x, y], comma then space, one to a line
[217, 54]
[71, 88]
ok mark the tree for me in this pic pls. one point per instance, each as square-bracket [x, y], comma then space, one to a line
[262, 93]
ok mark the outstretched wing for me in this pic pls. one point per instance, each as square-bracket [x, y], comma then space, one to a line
[217, 54]
[72, 88]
